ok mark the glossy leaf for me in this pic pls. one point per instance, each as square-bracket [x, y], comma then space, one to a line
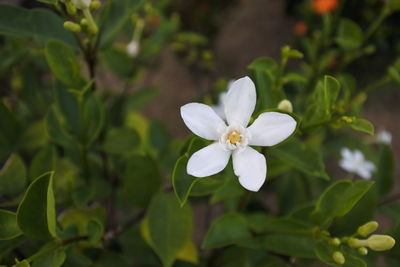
[43, 161]
[290, 245]
[170, 226]
[299, 156]
[36, 215]
[227, 230]
[338, 199]
[8, 225]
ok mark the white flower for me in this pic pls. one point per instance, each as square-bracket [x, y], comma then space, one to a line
[384, 137]
[132, 48]
[219, 109]
[234, 138]
[81, 4]
[354, 161]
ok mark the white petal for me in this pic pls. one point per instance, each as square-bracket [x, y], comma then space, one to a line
[364, 173]
[347, 165]
[251, 167]
[346, 153]
[271, 128]
[208, 161]
[202, 120]
[240, 102]
[368, 165]
[358, 156]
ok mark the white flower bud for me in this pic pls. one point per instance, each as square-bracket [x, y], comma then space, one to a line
[380, 242]
[338, 257]
[81, 4]
[367, 228]
[133, 48]
[384, 137]
[285, 105]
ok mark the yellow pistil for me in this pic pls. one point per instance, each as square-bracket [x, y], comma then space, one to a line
[234, 137]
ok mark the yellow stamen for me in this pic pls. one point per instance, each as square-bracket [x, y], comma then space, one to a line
[234, 137]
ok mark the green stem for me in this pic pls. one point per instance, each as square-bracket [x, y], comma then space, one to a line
[375, 25]
[91, 23]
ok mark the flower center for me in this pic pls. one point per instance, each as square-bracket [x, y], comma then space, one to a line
[234, 137]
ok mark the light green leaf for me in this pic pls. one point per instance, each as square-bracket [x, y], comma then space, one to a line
[349, 35]
[362, 125]
[141, 180]
[170, 226]
[23, 263]
[121, 140]
[54, 258]
[338, 199]
[8, 225]
[13, 176]
[227, 230]
[62, 61]
[36, 215]
[301, 157]
[386, 170]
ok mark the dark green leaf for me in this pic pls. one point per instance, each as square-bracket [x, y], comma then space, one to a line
[301, 157]
[386, 170]
[93, 116]
[121, 140]
[36, 214]
[227, 230]
[8, 225]
[141, 180]
[170, 226]
[290, 245]
[43, 161]
[13, 176]
[338, 199]
[56, 131]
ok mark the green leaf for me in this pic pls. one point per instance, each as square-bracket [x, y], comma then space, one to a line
[13, 176]
[338, 199]
[170, 226]
[43, 161]
[181, 180]
[362, 125]
[323, 101]
[115, 14]
[349, 36]
[265, 70]
[68, 106]
[386, 170]
[57, 132]
[262, 223]
[36, 215]
[121, 140]
[62, 61]
[324, 252]
[301, 157]
[23, 263]
[93, 116]
[54, 258]
[140, 98]
[8, 225]
[141, 180]
[50, 2]
[37, 23]
[227, 230]
[290, 245]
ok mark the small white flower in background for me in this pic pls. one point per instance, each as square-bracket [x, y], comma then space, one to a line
[132, 48]
[81, 4]
[384, 136]
[354, 162]
[234, 138]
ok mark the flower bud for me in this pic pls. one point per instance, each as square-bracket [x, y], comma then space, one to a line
[81, 4]
[338, 257]
[285, 105]
[71, 26]
[335, 241]
[368, 228]
[363, 251]
[133, 48]
[380, 242]
[95, 4]
[84, 22]
[356, 243]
